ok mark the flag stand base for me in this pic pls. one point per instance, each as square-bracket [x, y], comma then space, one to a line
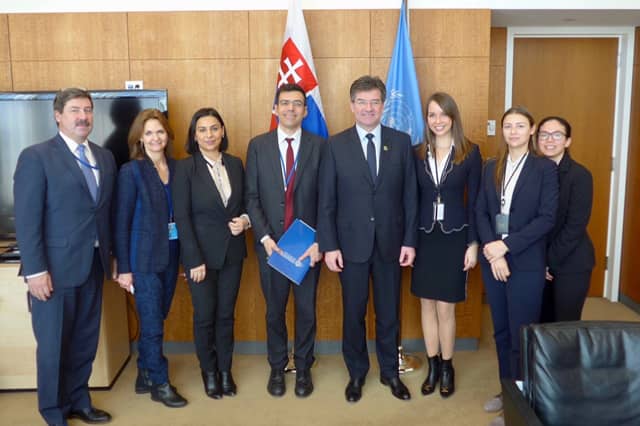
[407, 362]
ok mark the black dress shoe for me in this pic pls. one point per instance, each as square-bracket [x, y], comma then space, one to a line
[429, 384]
[353, 392]
[90, 415]
[168, 395]
[447, 383]
[229, 387]
[304, 384]
[212, 384]
[276, 385]
[398, 389]
[143, 382]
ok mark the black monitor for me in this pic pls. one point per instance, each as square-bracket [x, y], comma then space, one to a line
[27, 118]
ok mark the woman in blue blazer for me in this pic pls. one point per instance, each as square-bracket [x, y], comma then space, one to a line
[448, 168]
[515, 210]
[211, 219]
[570, 254]
[146, 246]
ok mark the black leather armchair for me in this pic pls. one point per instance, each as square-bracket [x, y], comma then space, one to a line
[582, 373]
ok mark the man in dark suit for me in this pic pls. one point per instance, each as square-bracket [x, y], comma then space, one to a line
[366, 227]
[62, 190]
[282, 184]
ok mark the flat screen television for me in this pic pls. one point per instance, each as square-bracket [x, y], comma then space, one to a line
[27, 118]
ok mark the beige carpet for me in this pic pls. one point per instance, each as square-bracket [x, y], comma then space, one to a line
[476, 380]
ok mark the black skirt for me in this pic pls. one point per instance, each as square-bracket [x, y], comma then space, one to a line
[438, 269]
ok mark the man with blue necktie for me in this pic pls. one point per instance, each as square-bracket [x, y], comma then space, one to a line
[62, 190]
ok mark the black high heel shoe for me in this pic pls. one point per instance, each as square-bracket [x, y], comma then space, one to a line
[429, 384]
[447, 382]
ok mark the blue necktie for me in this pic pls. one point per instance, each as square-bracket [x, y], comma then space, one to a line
[87, 172]
[371, 156]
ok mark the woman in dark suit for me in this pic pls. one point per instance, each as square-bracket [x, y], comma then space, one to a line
[570, 254]
[515, 210]
[211, 220]
[448, 167]
[146, 246]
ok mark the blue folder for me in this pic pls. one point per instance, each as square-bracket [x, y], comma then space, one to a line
[293, 243]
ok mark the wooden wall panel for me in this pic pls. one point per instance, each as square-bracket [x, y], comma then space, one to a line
[497, 62]
[54, 75]
[68, 36]
[4, 38]
[193, 84]
[188, 35]
[5, 76]
[229, 60]
[266, 30]
[629, 281]
[339, 33]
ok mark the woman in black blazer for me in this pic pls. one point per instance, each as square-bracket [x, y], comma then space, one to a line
[146, 246]
[448, 168]
[570, 254]
[515, 210]
[211, 220]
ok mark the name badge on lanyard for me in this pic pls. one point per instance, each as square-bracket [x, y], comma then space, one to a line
[438, 210]
[173, 231]
[502, 223]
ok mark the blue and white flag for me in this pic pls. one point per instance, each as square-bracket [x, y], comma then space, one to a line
[296, 66]
[403, 108]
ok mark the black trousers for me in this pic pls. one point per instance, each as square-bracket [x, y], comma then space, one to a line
[276, 288]
[355, 296]
[214, 303]
[67, 328]
[564, 296]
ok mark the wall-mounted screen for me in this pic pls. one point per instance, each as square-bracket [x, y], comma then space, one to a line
[27, 118]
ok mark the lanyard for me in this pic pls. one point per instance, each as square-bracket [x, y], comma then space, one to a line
[287, 178]
[506, 185]
[84, 163]
[167, 191]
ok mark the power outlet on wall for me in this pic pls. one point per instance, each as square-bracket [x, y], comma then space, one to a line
[133, 85]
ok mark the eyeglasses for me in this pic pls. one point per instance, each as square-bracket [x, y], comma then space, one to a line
[556, 136]
[364, 102]
[287, 102]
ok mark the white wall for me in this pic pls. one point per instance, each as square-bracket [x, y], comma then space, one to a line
[42, 6]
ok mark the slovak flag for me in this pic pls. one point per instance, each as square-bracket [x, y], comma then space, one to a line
[296, 66]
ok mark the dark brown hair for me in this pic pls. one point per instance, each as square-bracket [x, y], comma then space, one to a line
[65, 95]
[136, 149]
[501, 160]
[366, 83]
[192, 146]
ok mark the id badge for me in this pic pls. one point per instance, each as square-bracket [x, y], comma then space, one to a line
[502, 223]
[173, 231]
[438, 210]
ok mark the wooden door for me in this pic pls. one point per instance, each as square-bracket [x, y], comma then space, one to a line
[575, 78]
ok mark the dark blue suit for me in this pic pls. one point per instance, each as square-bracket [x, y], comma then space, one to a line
[369, 222]
[142, 246]
[532, 215]
[57, 225]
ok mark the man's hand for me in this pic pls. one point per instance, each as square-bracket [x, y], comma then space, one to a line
[198, 273]
[333, 259]
[270, 246]
[313, 253]
[41, 286]
[126, 281]
[407, 256]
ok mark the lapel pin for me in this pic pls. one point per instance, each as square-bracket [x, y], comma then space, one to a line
[385, 147]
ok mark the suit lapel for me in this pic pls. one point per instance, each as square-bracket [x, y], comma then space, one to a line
[272, 155]
[386, 145]
[71, 163]
[524, 174]
[102, 167]
[354, 149]
[202, 171]
[304, 153]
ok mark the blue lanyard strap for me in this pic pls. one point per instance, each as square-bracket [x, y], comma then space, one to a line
[84, 163]
[291, 172]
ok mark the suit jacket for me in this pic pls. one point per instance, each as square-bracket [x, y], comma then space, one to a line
[532, 214]
[569, 247]
[141, 242]
[265, 195]
[57, 221]
[458, 191]
[354, 211]
[202, 218]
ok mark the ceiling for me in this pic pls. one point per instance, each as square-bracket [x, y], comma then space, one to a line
[564, 18]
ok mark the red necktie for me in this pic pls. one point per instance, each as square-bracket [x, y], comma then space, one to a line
[288, 195]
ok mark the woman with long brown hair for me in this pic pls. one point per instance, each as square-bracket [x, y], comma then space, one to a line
[448, 168]
[515, 211]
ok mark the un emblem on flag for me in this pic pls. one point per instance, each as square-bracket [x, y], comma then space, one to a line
[397, 114]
